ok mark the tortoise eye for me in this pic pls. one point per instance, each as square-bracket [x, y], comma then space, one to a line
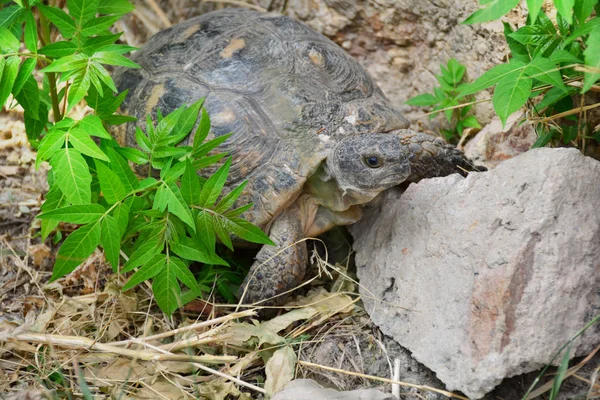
[373, 161]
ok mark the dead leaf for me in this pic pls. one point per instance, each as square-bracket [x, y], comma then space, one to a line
[240, 333]
[280, 370]
[40, 253]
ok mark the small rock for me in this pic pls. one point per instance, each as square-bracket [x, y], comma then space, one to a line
[494, 144]
[306, 389]
[485, 277]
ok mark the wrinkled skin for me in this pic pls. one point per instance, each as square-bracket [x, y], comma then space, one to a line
[313, 134]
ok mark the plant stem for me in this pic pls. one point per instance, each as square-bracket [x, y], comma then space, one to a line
[46, 40]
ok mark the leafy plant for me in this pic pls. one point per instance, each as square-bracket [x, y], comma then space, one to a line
[445, 98]
[551, 65]
[159, 224]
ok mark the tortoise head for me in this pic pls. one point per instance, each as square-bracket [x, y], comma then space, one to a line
[363, 166]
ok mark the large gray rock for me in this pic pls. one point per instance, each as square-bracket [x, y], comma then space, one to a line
[485, 277]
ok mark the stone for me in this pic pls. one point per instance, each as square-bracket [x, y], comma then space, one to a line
[306, 389]
[486, 277]
[495, 143]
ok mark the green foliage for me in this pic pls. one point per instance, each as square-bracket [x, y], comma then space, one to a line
[154, 226]
[544, 56]
[446, 99]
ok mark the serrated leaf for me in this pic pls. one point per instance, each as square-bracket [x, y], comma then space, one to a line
[222, 233]
[517, 50]
[494, 10]
[10, 14]
[456, 70]
[186, 248]
[236, 212]
[186, 122]
[543, 139]
[35, 126]
[190, 184]
[82, 10]
[585, 29]
[592, 59]
[92, 125]
[511, 93]
[60, 19]
[546, 71]
[8, 78]
[583, 9]
[121, 168]
[30, 35]
[563, 56]
[72, 175]
[59, 49]
[54, 199]
[81, 141]
[161, 135]
[110, 240]
[110, 58]
[78, 90]
[112, 188]
[565, 8]
[167, 292]
[471, 122]
[70, 63]
[115, 7]
[78, 214]
[24, 73]
[8, 42]
[121, 214]
[134, 155]
[245, 230]
[551, 97]
[214, 186]
[177, 205]
[422, 100]
[49, 145]
[92, 44]
[144, 253]
[29, 97]
[142, 140]
[99, 25]
[491, 77]
[148, 271]
[230, 198]
[202, 131]
[76, 249]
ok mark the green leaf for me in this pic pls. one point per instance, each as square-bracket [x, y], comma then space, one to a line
[110, 240]
[120, 166]
[183, 273]
[494, 10]
[59, 49]
[76, 249]
[142, 140]
[201, 132]
[80, 140]
[228, 200]
[29, 97]
[49, 145]
[222, 233]
[147, 271]
[422, 100]
[121, 214]
[456, 70]
[134, 155]
[109, 58]
[54, 199]
[471, 122]
[8, 78]
[214, 185]
[517, 50]
[206, 232]
[99, 25]
[60, 19]
[583, 9]
[92, 125]
[511, 93]
[144, 253]
[592, 59]
[534, 7]
[551, 97]
[238, 211]
[92, 44]
[565, 8]
[24, 73]
[190, 250]
[82, 10]
[585, 29]
[112, 188]
[8, 42]
[186, 121]
[30, 35]
[72, 175]
[79, 214]
[10, 14]
[78, 90]
[561, 372]
[167, 292]
[543, 139]
[492, 76]
[190, 184]
[563, 56]
[35, 126]
[245, 230]
[115, 7]
[177, 205]
[546, 71]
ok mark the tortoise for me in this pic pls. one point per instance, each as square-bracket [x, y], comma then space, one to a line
[312, 132]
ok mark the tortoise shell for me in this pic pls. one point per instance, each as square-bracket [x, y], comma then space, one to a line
[286, 92]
